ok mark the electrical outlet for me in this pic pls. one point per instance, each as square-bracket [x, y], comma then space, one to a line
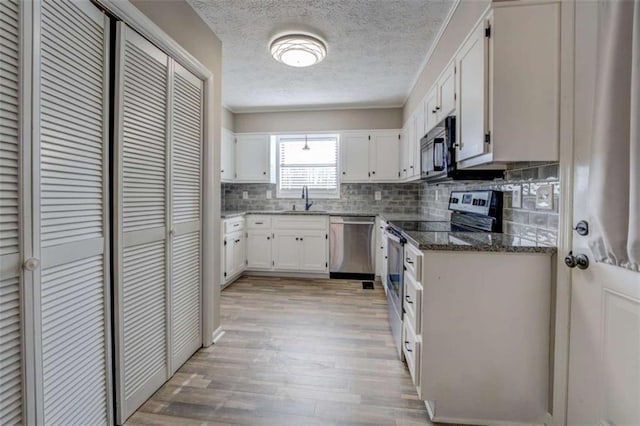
[544, 197]
[268, 194]
[245, 195]
[516, 197]
[378, 195]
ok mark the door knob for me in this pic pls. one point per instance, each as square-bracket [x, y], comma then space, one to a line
[581, 261]
[31, 264]
[570, 260]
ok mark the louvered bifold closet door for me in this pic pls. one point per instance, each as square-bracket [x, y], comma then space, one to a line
[72, 295]
[140, 218]
[11, 352]
[186, 196]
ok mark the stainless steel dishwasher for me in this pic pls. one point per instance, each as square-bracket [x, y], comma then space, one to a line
[351, 242]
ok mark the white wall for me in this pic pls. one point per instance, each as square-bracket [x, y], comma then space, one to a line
[322, 120]
[462, 21]
[228, 120]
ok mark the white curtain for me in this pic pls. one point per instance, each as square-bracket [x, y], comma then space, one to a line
[615, 157]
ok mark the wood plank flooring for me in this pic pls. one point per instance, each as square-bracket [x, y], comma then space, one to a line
[295, 352]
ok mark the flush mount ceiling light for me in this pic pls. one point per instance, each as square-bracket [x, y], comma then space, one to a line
[298, 50]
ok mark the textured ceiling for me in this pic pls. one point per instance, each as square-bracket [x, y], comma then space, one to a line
[375, 50]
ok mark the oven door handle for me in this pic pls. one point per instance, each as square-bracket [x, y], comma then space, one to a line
[394, 238]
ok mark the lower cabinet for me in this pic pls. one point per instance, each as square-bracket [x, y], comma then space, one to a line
[233, 249]
[259, 253]
[288, 243]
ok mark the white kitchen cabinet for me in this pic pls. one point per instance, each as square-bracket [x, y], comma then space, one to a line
[471, 62]
[354, 153]
[313, 251]
[233, 252]
[406, 152]
[430, 105]
[227, 156]
[446, 88]
[372, 156]
[254, 162]
[259, 249]
[384, 156]
[508, 75]
[300, 250]
[471, 326]
[286, 250]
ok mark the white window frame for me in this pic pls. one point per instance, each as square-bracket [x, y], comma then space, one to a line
[297, 194]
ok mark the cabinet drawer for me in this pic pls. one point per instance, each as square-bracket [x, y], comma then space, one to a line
[233, 225]
[413, 303]
[413, 262]
[258, 222]
[411, 350]
[300, 222]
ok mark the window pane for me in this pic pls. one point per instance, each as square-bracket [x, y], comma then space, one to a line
[316, 167]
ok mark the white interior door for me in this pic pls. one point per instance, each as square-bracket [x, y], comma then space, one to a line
[186, 206]
[11, 280]
[604, 358]
[140, 255]
[70, 190]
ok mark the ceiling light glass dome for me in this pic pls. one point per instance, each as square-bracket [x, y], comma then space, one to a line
[298, 50]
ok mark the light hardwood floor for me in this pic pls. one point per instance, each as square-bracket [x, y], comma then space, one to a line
[295, 352]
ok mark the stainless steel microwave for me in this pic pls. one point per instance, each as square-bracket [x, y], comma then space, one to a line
[438, 156]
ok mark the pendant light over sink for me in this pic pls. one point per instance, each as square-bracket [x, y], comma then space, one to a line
[298, 50]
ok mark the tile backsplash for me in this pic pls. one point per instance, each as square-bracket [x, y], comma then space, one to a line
[428, 199]
[354, 197]
[536, 224]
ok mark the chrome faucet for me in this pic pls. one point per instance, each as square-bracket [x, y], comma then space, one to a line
[305, 196]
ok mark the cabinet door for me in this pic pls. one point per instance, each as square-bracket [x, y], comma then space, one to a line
[259, 250]
[228, 261]
[239, 256]
[227, 155]
[354, 149]
[431, 111]
[313, 251]
[384, 156]
[471, 64]
[286, 250]
[406, 148]
[447, 92]
[252, 158]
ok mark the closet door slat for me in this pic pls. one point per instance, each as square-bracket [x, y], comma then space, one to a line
[73, 294]
[141, 220]
[11, 369]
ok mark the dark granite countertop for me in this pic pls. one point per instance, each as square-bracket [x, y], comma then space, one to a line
[476, 241]
[450, 241]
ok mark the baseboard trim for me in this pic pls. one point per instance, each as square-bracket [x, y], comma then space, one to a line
[279, 274]
[217, 334]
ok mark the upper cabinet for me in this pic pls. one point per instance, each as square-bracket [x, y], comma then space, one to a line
[372, 156]
[509, 86]
[503, 85]
[472, 105]
[384, 156]
[227, 156]
[354, 148]
[254, 163]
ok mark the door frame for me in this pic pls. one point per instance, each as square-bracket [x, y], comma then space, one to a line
[138, 21]
[559, 357]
